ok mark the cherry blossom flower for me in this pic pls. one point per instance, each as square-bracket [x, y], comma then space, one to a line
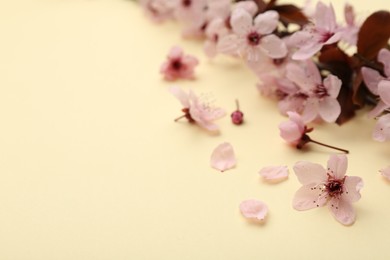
[214, 32]
[223, 157]
[313, 37]
[378, 84]
[197, 111]
[328, 187]
[251, 37]
[178, 65]
[158, 10]
[191, 14]
[274, 173]
[254, 209]
[385, 173]
[351, 30]
[322, 95]
[294, 131]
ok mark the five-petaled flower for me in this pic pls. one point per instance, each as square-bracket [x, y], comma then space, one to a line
[197, 111]
[328, 187]
[178, 65]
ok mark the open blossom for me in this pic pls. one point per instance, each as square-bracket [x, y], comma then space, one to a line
[321, 95]
[214, 32]
[313, 37]
[378, 84]
[328, 186]
[178, 65]
[197, 111]
[251, 37]
[293, 130]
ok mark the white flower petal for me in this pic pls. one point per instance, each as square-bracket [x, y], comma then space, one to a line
[254, 209]
[223, 157]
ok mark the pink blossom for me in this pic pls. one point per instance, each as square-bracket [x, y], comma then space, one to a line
[191, 14]
[158, 10]
[197, 111]
[178, 65]
[254, 209]
[322, 95]
[313, 37]
[214, 32]
[378, 84]
[351, 30]
[293, 130]
[223, 157]
[328, 187]
[251, 37]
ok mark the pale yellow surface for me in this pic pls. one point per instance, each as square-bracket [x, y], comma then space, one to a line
[92, 165]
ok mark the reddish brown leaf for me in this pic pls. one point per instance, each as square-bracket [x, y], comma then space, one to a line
[374, 34]
[290, 14]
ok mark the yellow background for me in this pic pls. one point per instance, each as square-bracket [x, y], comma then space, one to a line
[92, 165]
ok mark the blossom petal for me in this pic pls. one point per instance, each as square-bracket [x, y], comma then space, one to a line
[254, 209]
[228, 44]
[310, 173]
[290, 132]
[333, 85]
[249, 6]
[384, 57]
[381, 131]
[342, 211]
[307, 197]
[384, 91]
[241, 22]
[274, 172]
[378, 109]
[352, 187]
[180, 95]
[267, 22]
[310, 111]
[371, 78]
[329, 109]
[175, 53]
[223, 157]
[337, 165]
[273, 46]
[385, 172]
[210, 48]
[307, 51]
[325, 17]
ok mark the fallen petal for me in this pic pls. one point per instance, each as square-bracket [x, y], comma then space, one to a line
[254, 209]
[274, 172]
[385, 173]
[223, 157]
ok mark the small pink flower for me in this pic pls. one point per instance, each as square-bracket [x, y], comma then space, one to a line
[328, 187]
[293, 130]
[178, 65]
[158, 10]
[251, 37]
[214, 32]
[274, 173]
[223, 157]
[321, 94]
[254, 209]
[313, 37]
[197, 111]
[378, 84]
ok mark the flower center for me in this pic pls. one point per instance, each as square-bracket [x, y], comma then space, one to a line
[186, 3]
[278, 62]
[176, 64]
[320, 91]
[326, 36]
[188, 115]
[334, 187]
[254, 38]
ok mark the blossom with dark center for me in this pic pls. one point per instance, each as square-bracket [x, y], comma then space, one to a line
[328, 187]
[178, 65]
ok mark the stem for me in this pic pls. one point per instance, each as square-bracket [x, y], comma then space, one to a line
[180, 117]
[329, 146]
[237, 105]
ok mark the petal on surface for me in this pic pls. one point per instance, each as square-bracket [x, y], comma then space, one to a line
[309, 173]
[223, 157]
[241, 22]
[254, 209]
[384, 58]
[333, 85]
[266, 22]
[385, 172]
[274, 172]
[381, 130]
[273, 46]
[371, 78]
[342, 211]
[384, 91]
[329, 109]
[337, 165]
[180, 95]
[307, 197]
[352, 187]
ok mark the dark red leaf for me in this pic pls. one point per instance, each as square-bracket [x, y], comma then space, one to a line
[290, 14]
[374, 34]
